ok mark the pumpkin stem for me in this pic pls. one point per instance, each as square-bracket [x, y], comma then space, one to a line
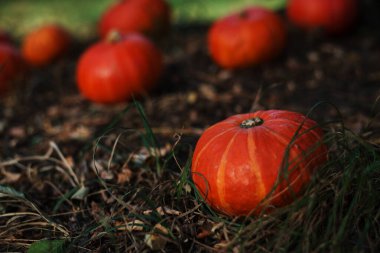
[243, 14]
[113, 36]
[249, 123]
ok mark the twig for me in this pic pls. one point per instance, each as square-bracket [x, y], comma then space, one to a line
[63, 159]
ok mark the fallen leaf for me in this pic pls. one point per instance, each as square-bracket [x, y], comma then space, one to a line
[17, 131]
[166, 210]
[135, 225]
[155, 239]
[221, 245]
[81, 193]
[124, 176]
[9, 177]
[204, 233]
[163, 210]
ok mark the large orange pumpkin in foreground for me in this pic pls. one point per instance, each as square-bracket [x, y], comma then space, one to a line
[247, 38]
[11, 66]
[45, 44]
[239, 164]
[151, 17]
[334, 16]
[118, 67]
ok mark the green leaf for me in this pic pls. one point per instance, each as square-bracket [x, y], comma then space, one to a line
[81, 193]
[271, 4]
[9, 191]
[47, 246]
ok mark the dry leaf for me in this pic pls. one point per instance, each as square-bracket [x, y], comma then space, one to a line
[135, 225]
[204, 233]
[208, 92]
[80, 133]
[106, 175]
[166, 210]
[10, 177]
[220, 246]
[192, 97]
[217, 226]
[124, 176]
[144, 153]
[96, 211]
[17, 131]
[155, 239]
[163, 210]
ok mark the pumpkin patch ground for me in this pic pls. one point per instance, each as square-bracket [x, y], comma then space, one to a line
[89, 177]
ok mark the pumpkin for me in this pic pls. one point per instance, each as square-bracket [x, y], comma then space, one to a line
[4, 37]
[114, 69]
[247, 38]
[249, 162]
[150, 17]
[11, 66]
[333, 16]
[45, 44]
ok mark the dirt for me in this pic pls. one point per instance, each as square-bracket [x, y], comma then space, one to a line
[194, 93]
[340, 74]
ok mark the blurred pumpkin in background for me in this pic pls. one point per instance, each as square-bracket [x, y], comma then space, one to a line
[11, 66]
[45, 44]
[114, 69]
[333, 16]
[247, 38]
[150, 17]
[5, 37]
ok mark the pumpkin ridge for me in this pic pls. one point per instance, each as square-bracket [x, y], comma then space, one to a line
[294, 155]
[308, 154]
[304, 124]
[252, 157]
[282, 138]
[221, 175]
[207, 144]
[282, 191]
[289, 120]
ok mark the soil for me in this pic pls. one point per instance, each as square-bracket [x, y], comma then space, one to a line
[339, 74]
[195, 93]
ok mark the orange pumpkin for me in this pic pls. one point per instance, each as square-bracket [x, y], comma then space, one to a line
[42, 46]
[11, 66]
[246, 38]
[150, 17]
[239, 163]
[334, 16]
[114, 69]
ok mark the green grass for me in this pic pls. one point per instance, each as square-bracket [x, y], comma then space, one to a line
[81, 16]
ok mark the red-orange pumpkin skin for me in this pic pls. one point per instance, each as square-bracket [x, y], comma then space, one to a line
[11, 66]
[247, 38]
[150, 17]
[333, 16]
[111, 71]
[238, 169]
[45, 44]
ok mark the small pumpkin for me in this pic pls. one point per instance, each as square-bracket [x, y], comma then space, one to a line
[247, 38]
[239, 163]
[11, 66]
[333, 16]
[45, 44]
[5, 37]
[114, 69]
[150, 17]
